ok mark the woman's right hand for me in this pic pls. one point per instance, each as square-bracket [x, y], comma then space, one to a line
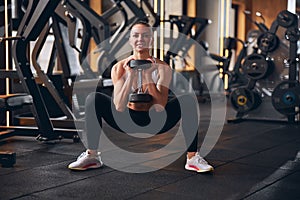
[129, 72]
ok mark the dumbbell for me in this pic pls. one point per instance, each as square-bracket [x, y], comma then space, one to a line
[140, 96]
[7, 159]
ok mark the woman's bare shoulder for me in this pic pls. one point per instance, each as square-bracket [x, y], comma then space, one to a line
[119, 65]
[118, 70]
[158, 61]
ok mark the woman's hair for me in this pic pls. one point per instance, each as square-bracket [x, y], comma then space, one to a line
[141, 22]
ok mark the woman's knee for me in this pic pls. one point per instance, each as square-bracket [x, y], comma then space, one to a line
[90, 99]
[95, 99]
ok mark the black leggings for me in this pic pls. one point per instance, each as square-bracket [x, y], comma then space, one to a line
[99, 106]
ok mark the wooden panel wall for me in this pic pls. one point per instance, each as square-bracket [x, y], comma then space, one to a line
[191, 12]
[269, 9]
[96, 5]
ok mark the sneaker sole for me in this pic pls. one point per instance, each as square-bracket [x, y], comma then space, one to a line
[199, 170]
[85, 167]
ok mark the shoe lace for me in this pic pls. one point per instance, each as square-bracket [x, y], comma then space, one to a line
[201, 160]
[82, 155]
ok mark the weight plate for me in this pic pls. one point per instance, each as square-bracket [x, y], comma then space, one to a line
[243, 100]
[142, 97]
[141, 64]
[286, 97]
[267, 42]
[286, 19]
[255, 66]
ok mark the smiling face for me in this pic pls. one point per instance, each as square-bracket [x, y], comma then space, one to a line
[141, 38]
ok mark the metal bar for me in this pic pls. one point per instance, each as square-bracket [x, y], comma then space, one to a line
[12, 74]
[31, 29]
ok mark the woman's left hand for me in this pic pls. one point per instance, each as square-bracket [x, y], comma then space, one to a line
[151, 69]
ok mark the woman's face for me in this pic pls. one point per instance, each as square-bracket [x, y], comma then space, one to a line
[140, 37]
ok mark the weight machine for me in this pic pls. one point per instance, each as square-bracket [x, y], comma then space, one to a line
[36, 26]
[232, 78]
[271, 94]
[58, 87]
[185, 31]
[99, 28]
[32, 24]
[180, 45]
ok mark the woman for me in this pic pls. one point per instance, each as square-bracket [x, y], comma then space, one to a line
[156, 81]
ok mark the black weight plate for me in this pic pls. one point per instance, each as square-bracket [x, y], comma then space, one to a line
[286, 97]
[268, 42]
[134, 97]
[286, 19]
[243, 100]
[141, 64]
[255, 66]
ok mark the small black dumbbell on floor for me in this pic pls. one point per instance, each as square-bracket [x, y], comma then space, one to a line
[7, 159]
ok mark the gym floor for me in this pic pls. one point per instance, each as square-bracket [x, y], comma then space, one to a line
[252, 160]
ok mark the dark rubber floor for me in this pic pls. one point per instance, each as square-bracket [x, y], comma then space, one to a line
[253, 159]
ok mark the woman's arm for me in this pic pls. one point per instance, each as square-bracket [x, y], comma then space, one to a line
[160, 91]
[122, 84]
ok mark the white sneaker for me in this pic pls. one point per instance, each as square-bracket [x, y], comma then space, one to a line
[86, 161]
[198, 164]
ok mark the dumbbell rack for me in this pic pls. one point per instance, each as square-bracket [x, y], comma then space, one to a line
[282, 105]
